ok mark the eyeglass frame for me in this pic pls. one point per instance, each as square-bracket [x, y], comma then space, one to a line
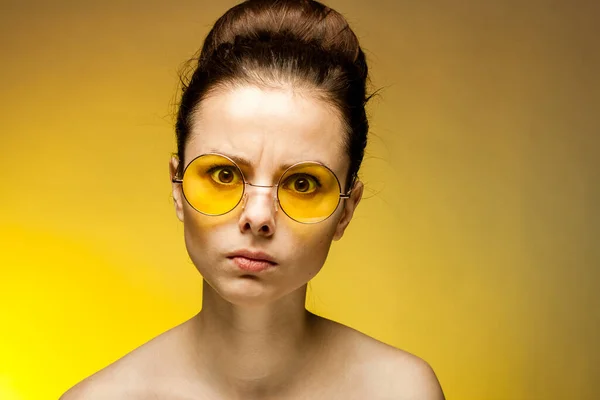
[342, 196]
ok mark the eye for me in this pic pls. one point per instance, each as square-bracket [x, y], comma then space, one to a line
[225, 175]
[302, 183]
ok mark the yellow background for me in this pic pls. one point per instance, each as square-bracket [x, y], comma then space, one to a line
[476, 249]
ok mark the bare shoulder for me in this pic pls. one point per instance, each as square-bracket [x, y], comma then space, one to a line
[386, 372]
[116, 381]
[141, 374]
[409, 377]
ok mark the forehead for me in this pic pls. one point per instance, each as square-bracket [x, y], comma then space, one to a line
[269, 128]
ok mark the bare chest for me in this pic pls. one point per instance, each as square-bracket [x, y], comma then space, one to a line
[329, 382]
[333, 390]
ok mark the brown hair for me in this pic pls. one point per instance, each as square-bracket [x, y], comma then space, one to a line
[270, 43]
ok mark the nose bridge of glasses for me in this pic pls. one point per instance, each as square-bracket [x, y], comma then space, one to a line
[258, 189]
[261, 188]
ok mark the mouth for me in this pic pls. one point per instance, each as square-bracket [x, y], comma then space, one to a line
[253, 261]
[253, 255]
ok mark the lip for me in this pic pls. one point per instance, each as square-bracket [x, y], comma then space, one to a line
[250, 265]
[252, 261]
[253, 255]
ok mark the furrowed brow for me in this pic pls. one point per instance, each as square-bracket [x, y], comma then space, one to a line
[244, 161]
[238, 159]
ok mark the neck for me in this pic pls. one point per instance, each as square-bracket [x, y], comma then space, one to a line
[256, 351]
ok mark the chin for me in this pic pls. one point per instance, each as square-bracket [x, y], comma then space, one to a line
[247, 291]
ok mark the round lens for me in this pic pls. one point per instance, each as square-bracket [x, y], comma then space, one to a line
[213, 184]
[309, 192]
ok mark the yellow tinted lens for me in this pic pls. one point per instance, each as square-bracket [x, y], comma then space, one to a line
[309, 192]
[213, 184]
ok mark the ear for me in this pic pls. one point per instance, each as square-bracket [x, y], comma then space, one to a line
[176, 188]
[349, 207]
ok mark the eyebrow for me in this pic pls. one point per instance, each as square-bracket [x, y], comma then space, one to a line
[247, 163]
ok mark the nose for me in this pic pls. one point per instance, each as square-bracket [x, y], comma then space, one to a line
[258, 211]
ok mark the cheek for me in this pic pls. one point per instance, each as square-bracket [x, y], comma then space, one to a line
[195, 227]
[200, 231]
[315, 233]
[311, 245]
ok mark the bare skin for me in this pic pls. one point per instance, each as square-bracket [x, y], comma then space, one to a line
[341, 364]
[254, 339]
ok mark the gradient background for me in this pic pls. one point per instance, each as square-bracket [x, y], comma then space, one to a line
[477, 245]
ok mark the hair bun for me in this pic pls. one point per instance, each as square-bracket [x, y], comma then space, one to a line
[275, 43]
[307, 21]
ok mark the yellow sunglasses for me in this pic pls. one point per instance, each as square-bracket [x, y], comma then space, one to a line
[307, 192]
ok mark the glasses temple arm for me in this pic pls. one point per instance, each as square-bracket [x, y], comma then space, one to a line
[347, 194]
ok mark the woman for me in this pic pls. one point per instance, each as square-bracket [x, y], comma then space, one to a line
[271, 132]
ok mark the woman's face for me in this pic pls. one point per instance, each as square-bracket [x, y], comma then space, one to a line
[269, 129]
